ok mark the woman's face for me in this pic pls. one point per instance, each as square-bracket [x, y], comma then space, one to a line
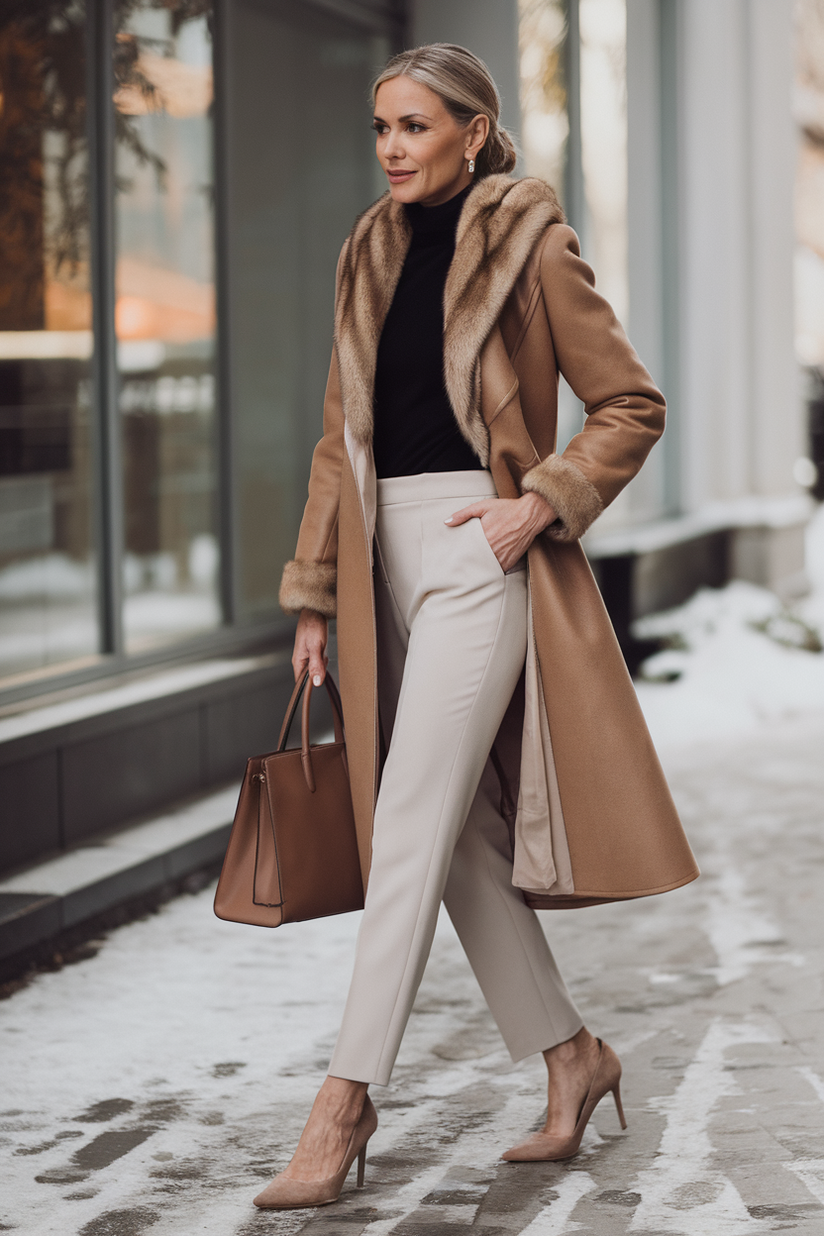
[423, 150]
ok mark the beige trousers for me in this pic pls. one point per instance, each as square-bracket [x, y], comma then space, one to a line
[451, 645]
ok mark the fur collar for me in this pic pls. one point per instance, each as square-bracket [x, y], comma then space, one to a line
[500, 225]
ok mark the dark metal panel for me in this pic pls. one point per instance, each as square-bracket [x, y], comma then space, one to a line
[635, 584]
[245, 724]
[145, 712]
[668, 577]
[119, 766]
[25, 919]
[29, 810]
[96, 898]
[197, 853]
[112, 778]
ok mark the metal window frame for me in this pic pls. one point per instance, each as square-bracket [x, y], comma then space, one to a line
[108, 453]
[224, 438]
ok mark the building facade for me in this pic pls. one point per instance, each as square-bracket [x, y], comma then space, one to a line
[178, 176]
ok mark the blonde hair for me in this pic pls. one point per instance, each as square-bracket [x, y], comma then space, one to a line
[464, 85]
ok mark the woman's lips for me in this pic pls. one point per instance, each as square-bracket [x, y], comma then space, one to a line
[397, 177]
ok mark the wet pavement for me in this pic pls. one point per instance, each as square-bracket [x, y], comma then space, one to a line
[154, 1086]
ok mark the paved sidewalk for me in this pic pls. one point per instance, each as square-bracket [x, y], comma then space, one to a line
[154, 1087]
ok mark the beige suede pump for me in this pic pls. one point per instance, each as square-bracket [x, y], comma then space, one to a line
[542, 1147]
[285, 1193]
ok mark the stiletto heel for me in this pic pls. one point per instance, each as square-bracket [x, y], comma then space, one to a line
[286, 1193]
[543, 1147]
[616, 1094]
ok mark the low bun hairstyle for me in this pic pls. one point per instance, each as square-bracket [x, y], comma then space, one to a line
[464, 85]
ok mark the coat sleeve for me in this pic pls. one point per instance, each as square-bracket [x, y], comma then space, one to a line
[624, 409]
[309, 581]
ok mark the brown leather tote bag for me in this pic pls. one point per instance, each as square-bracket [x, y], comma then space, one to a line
[293, 851]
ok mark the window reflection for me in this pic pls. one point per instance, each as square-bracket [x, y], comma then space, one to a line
[165, 317]
[48, 606]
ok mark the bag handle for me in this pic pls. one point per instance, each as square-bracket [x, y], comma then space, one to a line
[304, 686]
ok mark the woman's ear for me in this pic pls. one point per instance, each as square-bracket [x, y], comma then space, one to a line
[478, 133]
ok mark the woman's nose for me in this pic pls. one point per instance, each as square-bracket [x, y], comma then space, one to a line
[393, 146]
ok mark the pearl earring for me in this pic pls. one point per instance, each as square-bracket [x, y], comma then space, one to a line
[471, 166]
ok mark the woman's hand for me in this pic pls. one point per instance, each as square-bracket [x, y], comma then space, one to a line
[310, 646]
[510, 524]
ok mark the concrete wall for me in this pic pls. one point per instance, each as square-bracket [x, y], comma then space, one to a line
[489, 28]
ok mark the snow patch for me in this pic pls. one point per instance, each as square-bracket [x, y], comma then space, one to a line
[554, 1220]
[738, 659]
[741, 932]
[681, 1192]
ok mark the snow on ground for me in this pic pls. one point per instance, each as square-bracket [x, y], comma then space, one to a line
[174, 1011]
[161, 1083]
[738, 659]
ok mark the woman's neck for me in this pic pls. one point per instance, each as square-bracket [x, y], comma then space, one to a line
[441, 218]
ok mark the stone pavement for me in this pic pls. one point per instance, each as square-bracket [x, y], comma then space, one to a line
[156, 1085]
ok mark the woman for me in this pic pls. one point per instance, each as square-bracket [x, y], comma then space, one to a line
[474, 650]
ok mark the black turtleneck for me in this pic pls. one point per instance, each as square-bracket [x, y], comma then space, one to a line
[415, 427]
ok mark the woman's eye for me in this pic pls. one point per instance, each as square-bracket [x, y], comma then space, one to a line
[412, 127]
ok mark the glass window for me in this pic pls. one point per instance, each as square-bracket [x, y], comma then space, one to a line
[298, 165]
[48, 597]
[165, 318]
[301, 166]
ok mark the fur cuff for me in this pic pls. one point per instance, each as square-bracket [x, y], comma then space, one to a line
[566, 489]
[309, 585]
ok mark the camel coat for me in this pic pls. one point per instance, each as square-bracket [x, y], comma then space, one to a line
[588, 807]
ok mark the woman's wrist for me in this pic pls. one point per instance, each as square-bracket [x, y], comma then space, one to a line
[539, 512]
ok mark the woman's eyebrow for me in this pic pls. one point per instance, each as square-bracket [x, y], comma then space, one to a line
[411, 116]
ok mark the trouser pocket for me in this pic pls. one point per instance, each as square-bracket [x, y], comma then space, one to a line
[378, 564]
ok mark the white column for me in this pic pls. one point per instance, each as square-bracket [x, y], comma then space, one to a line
[716, 361]
[777, 425]
[741, 412]
[742, 409]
